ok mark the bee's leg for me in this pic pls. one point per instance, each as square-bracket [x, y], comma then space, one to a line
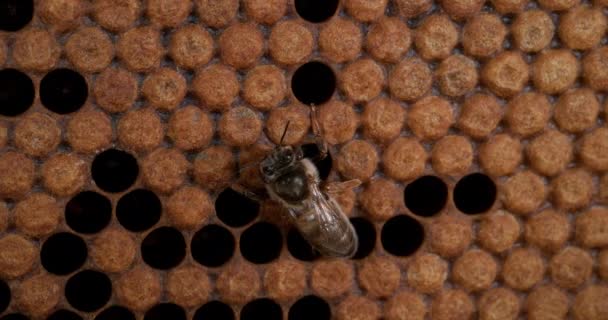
[248, 193]
[337, 187]
[316, 130]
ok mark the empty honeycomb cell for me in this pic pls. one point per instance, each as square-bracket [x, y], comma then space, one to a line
[571, 267]
[164, 89]
[483, 35]
[358, 307]
[366, 234]
[366, 11]
[188, 286]
[427, 273]
[15, 316]
[316, 11]
[405, 305]
[165, 170]
[501, 155]
[450, 236]
[38, 295]
[498, 303]
[89, 49]
[88, 131]
[528, 113]
[596, 77]
[582, 27]
[377, 39]
[594, 149]
[190, 128]
[474, 194]
[547, 301]
[240, 126]
[457, 75]
[115, 90]
[16, 14]
[309, 307]
[590, 303]
[114, 170]
[362, 80]
[36, 50]
[555, 70]
[452, 156]
[64, 314]
[479, 115]
[139, 210]
[18, 256]
[163, 248]
[140, 49]
[168, 14]
[475, 270]
[358, 159]
[63, 91]
[17, 92]
[214, 309]
[88, 212]
[577, 110]
[261, 243]
[498, 231]
[64, 174]
[214, 167]
[235, 209]
[238, 283]
[452, 304]
[188, 207]
[523, 268]
[265, 87]
[285, 280]
[278, 130]
[115, 312]
[216, 86]
[548, 230]
[436, 37]
[165, 310]
[340, 40]
[216, 14]
[113, 250]
[509, 6]
[558, 5]
[88, 290]
[532, 30]
[331, 278]
[425, 196]
[430, 118]
[241, 45]
[313, 83]
[381, 199]
[299, 248]
[17, 174]
[63, 253]
[506, 74]
[379, 276]
[191, 46]
[212, 245]
[290, 42]
[524, 192]
[338, 122]
[138, 289]
[573, 189]
[37, 134]
[402, 235]
[382, 120]
[262, 308]
[410, 80]
[37, 215]
[265, 12]
[116, 15]
[61, 15]
[591, 228]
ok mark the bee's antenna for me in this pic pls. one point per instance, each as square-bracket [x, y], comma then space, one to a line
[284, 132]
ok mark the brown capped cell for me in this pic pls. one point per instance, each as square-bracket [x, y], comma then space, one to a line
[340, 40]
[164, 89]
[590, 303]
[452, 304]
[498, 303]
[509, 6]
[241, 45]
[138, 289]
[4, 138]
[37, 134]
[475, 270]
[61, 15]
[602, 261]
[18, 256]
[188, 286]
[594, 149]
[388, 39]
[532, 30]
[265, 11]
[479, 115]
[528, 113]
[365, 10]
[381, 199]
[362, 80]
[356, 307]
[547, 302]
[498, 231]
[379, 276]
[37, 296]
[238, 283]
[189, 207]
[592, 228]
[457, 75]
[410, 80]
[191, 46]
[461, 9]
[331, 278]
[523, 268]
[550, 152]
[596, 76]
[285, 280]
[113, 250]
[338, 122]
[577, 110]
[290, 42]
[265, 87]
[358, 159]
[483, 35]
[3, 216]
[603, 186]
[217, 14]
[116, 15]
[89, 131]
[115, 90]
[140, 49]
[571, 267]
[413, 8]
[3, 51]
[36, 50]
[89, 49]
[573, 189]
[554, 71]
[436, 37]
[405, 305]
[346, 199]
[164, 170]
[404, 159]
[190, 128]
[63, 174]
[214, 167]
[249, 170]
[216, 86]
[17, 174]
[506, 74]
[430, 118]
[240, 126]
[524, 192]
[582, 28]
[427, 273]
[452, 156]
[450, 236]
[548, 230]
[168, 13]
[500, 155]
[140, 130]
[382, 120]
[37, 215]
[558, 5]
[298, 117]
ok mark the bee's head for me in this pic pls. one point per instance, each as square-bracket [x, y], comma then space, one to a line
[281, 158]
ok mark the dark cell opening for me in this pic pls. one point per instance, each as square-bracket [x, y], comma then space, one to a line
[310, 307]
[474, 194]
[402, 235]
[313, 83]
[63, 314]
[163, 248]
[138, 210]
[15, 14]
[212, 246]
[114, 170]
[14, 316]
[366, 232]
[311, 151]
[63, 253]
[299, 248]
[261, 243]
[63, 91]
[262, 309]
[5, 296]
[88, 290]
[88, 212]
[115, 313]
[316, 10]
[214, 310]
[426, 196]
[16, 90]
[165, 311]
[235, 209]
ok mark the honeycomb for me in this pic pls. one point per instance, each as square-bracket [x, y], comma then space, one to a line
[131, 133]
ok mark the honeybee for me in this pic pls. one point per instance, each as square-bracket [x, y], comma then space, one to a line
[293, 181]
